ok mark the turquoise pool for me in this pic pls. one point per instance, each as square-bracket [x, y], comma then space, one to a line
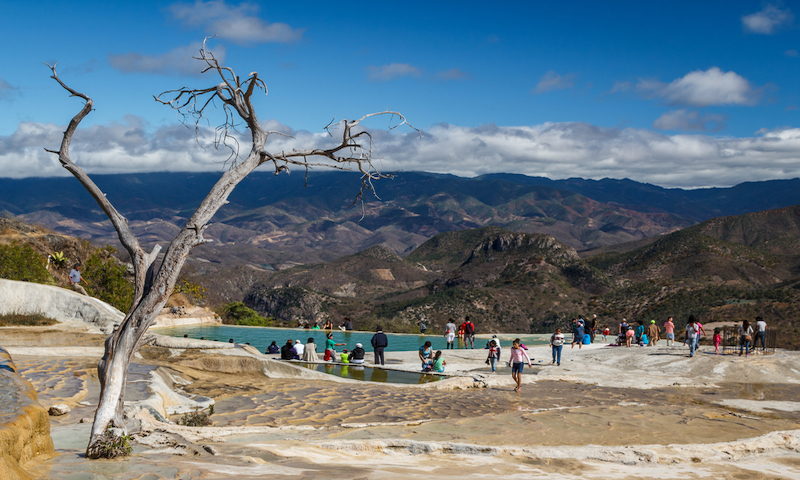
[261, 337]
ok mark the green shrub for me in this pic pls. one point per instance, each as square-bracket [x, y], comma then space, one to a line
[58, 259]
[109, 445]
[21, 262]
[192, 290]
[106, 279]
[237, 313]
[197, 418]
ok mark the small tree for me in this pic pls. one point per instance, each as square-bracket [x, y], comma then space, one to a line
[353, 150]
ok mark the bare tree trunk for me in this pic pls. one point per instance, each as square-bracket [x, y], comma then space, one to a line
[354, 150]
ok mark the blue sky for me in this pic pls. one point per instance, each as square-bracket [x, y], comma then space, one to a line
[684, 94]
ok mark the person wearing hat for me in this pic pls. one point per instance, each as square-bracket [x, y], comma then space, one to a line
[357, 354]
[298, 350]
[653, 332]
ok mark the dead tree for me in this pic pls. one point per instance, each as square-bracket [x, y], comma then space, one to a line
[352, 152]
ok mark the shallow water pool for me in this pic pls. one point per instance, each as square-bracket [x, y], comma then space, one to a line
[370, 374]
[261, 337]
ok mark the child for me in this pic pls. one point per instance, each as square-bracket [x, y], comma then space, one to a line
[438, 362]
[717, 340]
[344, 356]
[606, 331]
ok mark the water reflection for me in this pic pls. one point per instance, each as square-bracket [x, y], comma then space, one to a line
[379, 375]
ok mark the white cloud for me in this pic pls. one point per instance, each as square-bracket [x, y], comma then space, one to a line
[452, 74]
[619, 87]
[178, 61]
[554, 150]
[791, 53]
[703, 88]
[235, 23]
[385, 73]
[689, 120]
[767, 21]
[553, 81]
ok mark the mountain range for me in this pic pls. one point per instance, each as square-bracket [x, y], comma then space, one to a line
[276, 222]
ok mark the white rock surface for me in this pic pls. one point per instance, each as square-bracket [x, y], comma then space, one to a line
[70, 308]
[58, 410]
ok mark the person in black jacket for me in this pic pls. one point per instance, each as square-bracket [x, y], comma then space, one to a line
[357, 354]
[287, 351]
[379, 342]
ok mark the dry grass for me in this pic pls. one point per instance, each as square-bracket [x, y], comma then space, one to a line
[25, 320]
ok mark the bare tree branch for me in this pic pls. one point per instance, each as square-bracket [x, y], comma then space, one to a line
[354, 152]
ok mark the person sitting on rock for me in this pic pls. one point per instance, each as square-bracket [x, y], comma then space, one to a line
[357, 354]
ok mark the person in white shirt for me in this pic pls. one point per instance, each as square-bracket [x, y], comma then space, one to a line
[557, 343]
[450, 333]
[761, 333]
[298, 349]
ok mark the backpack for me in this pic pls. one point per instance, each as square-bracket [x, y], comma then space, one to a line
[469, 328]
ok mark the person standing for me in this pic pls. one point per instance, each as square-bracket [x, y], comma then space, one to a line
[494, 354]
[330, 348]
[692, 331]
[653, 332]
[557, 343]
[700, 331]
[669, 329]
[761, 333]
[593, 327]
[450, 333]
[577, 335]
[516, 363]
[75, 280]
[745, 337]
[469, 333]
[379, 342]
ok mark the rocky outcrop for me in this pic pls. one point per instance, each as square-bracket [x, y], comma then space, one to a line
[24, 424]
[291, 303]
[66, 306]
[546, 246]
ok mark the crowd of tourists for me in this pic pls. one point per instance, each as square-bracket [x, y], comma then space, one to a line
[584, 332]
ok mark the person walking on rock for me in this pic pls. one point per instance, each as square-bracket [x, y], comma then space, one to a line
[450, 334]
[379, 342]
[469, 333]
[75, 280]
[653, 332]
[669, 329]
[494, 354]
[516, 364]
[557, 343]
[692, 331]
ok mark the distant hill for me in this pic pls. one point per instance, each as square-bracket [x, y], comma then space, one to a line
[723, 269]
[274, 220]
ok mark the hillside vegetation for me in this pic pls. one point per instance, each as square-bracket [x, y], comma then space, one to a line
[519, 282]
